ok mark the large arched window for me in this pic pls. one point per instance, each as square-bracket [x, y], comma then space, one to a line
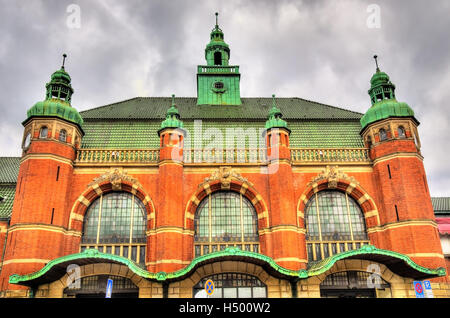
[115, 223]
[334, 224]
[225, 219]
[233, 285]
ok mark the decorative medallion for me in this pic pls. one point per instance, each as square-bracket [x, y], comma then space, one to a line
[115, 177]
[332, 174]
[225, 175]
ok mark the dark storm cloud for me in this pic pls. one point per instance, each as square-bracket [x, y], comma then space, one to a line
[319, 50]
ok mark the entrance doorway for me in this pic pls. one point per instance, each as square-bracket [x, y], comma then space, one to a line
[95, 287]
[352, 284]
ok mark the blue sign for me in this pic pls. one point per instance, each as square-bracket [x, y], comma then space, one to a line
[428, 291]
[418, 288]
[109, 287]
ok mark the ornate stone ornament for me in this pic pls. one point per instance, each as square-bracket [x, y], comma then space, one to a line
[115, 177]
[225, 175]
[332, 174]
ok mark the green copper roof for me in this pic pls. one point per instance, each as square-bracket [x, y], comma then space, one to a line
[385, 109]
[57, 99]
[274, 120]
[55, 108]
[441, 205]
[7, 193]
[9, 169]
[251, 108]
[173, 117]
[382, 96]
[134, 123]
[397, 262]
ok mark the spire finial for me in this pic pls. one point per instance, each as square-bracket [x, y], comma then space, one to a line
[64, 60]
[376, 61]
[173, 99]
[273, 100]
[217, 14]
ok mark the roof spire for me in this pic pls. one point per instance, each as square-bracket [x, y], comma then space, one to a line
[64, 60]
[217, 23]
[376, 62]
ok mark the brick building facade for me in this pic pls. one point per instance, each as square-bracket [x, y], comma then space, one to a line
[268, 197]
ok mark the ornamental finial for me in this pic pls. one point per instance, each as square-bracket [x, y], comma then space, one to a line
[173, 99]
[376, 62]
[64, 60]
[217, 14]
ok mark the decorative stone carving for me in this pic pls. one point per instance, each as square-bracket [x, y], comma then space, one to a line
[332, 174]
[225, 175]
[115, 177]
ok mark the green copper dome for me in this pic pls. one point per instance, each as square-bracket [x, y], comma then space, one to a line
[274, 120]
[57, 99]
[55, 108]
[384, 103]
[173, 117]
[217, 52]
[385, 109]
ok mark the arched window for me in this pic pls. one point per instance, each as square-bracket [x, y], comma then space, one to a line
[217, 58]
[334, 224]
[383, 134]
[225, 219]
[43, 132]
[233, 285]
[401, 132]
[62, 135]
[115, 223]
[352, 284]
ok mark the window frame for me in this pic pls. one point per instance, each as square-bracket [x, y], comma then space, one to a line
[205, 244]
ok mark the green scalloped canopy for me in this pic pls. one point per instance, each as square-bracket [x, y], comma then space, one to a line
[396, 262]
[386, 109]
[55, 108]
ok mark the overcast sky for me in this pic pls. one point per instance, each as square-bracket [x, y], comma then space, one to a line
[317, 50]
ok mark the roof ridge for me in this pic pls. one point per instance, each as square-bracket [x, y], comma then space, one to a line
[122, 101]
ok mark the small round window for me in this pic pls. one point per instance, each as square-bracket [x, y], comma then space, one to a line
[218, 87]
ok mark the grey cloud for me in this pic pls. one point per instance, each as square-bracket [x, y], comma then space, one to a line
[319, 50]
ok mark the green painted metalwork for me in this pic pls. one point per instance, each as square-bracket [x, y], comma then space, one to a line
[58, 98]
[316, 268]
[274, 120]
[173, 117]
[384, 104]
[320, 267]
[217, 82]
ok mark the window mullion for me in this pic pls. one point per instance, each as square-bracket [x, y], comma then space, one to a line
[349, 217]
[132, 218]
[99, 219]
[210, 218]
[242, 220]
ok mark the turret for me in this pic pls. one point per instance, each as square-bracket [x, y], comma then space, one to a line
[52, 134]
[389, 129]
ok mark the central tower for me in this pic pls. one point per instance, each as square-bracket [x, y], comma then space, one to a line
[217, 81]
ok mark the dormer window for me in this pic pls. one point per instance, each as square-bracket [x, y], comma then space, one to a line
[218, 85]
[44, 132]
